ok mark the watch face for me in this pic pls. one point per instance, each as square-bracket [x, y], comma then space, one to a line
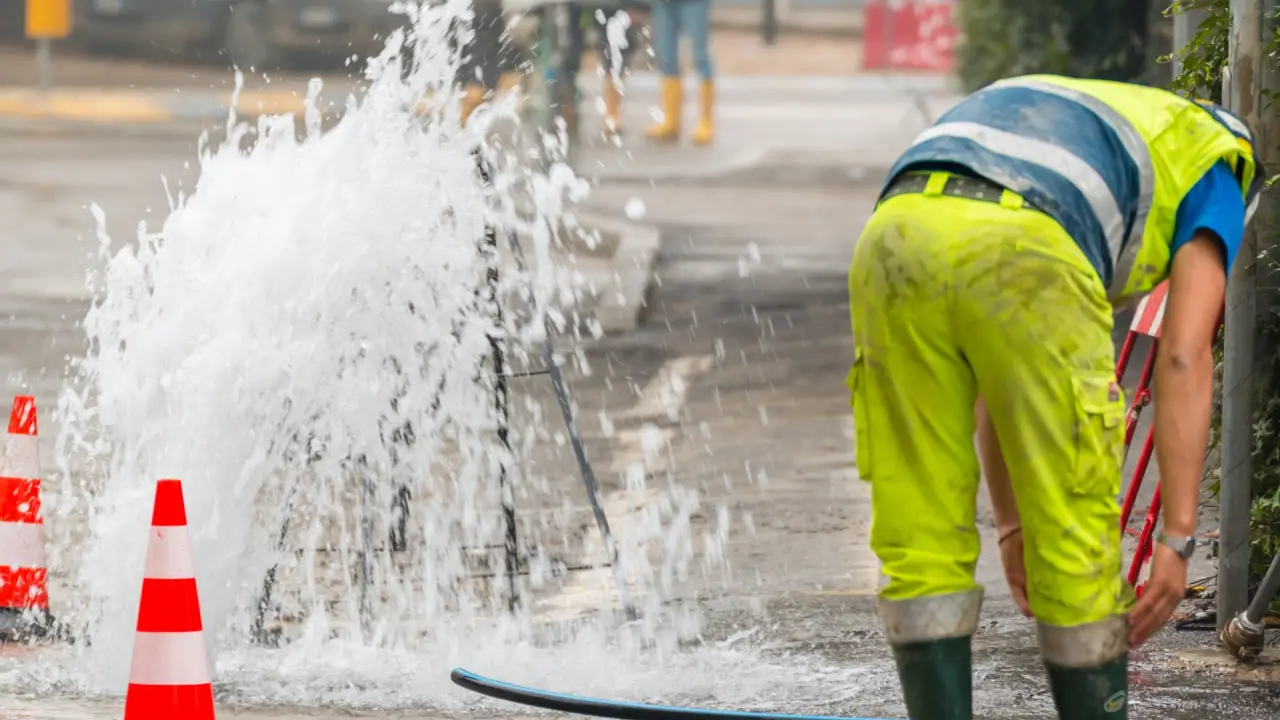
[1188, 547]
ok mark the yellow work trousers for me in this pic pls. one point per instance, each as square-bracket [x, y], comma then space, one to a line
[952, 298]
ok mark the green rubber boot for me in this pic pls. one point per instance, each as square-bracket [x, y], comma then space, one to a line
[931, 640]
[1096, 693]
[937, 678]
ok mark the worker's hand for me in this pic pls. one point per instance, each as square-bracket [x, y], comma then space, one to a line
[1164, 590]
[1015, 572]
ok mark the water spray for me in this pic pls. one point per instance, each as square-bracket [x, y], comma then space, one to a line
[500, 376]
[580, 453]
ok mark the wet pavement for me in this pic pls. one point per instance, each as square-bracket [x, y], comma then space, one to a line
[735, 377]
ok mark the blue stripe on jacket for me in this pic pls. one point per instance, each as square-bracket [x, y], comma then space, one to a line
[1049, 118]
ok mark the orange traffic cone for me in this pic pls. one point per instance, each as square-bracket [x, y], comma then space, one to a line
[24, 593]
[169, 677]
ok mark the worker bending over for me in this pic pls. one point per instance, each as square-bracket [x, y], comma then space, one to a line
[982, 293]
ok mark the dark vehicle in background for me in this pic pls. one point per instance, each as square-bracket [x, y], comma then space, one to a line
[247, 33]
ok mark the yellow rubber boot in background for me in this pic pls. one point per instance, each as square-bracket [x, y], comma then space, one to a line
[704, 133]
[472, 97]
[672, 105]
[612, 93]
[510, 81]
[511, 84]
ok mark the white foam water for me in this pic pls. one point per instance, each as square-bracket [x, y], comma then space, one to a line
[303, 339]
[301, 306]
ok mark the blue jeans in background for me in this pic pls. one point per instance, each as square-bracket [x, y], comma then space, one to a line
[673, 18]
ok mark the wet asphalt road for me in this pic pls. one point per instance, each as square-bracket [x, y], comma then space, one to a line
[749, 309]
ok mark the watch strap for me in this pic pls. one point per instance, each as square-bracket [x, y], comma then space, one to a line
[1184, 546]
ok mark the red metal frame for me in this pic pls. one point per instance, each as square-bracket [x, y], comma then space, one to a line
[1147, 321]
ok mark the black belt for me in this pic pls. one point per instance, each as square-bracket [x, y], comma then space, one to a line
[963, 186]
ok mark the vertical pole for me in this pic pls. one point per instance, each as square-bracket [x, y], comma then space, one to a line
[769, 26]
[1241, 88]
[44, 63]
[569, 66]
[552, 54]
[1266, 593]
[543, 84]
[46, 21]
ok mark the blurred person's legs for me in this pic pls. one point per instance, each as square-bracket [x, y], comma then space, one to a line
[665, 27]
[572, 61]
[482, 57]
[511, 66]
[577, 38]
[695, 22]
[616, 41]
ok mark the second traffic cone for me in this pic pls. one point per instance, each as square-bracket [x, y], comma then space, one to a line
[24, 594]
[169, 676]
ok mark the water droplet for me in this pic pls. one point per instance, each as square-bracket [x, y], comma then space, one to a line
[635, 208]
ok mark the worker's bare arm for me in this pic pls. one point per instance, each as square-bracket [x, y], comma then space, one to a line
[1184, 377]
[1004, 505]
[999, 483]
[1184, 395]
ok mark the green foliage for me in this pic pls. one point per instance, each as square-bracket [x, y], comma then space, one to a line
[1206, 54]
[1265, 513]
[1005, 38]
[1202, 62]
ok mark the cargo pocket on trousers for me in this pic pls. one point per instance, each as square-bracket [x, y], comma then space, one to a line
[1099, 434]
[858, 401]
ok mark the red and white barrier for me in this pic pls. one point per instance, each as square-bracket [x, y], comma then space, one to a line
[1149, 316]
[169, 676]
[23, 577]
[911, 35]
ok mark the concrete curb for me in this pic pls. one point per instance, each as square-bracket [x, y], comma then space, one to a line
[756, 167]
[633, 249]
[859, 85]
[759, 175]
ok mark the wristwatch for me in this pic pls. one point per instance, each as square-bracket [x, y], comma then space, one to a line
[1184, 546]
